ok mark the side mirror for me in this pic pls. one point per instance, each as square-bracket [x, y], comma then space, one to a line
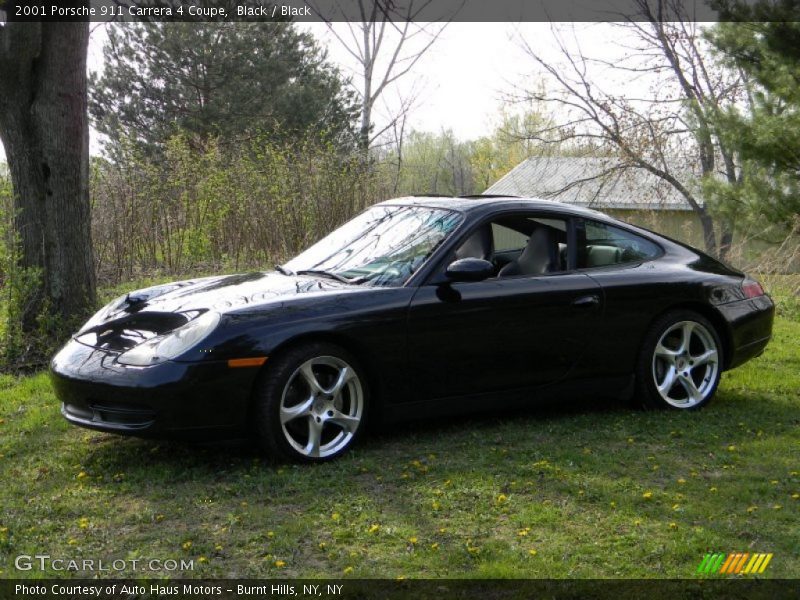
[469, 269]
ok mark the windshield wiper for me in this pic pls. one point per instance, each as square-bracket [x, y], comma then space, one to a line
[321, 273]
[283, 270]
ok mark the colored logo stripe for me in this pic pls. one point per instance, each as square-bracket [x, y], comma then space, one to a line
[734, 563]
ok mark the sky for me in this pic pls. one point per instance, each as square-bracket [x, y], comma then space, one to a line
[461, 83]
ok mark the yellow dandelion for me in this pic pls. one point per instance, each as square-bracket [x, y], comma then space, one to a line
[795, 496]
[442, 530]
[280, 564]
[187, 544]
[72, 542]
[647, 495]
[501, 499]
[83, 523]
[435, 546]
[336, 516]
[681, 481]
[374, 528]
[270, 534]
[777, 506]
[522, 532]
[774, 481]
[202, 559]
[436, 505]
[322, 545]
[159, 518]
[676, 506]
[631, 440]
[532, 552]
[347, 570]
[673, 525]
[243, 503]
[731, 448]
[82, 475]
[412, 540]
[751, 509]
[218, 548]
[712, 489]
[637, 522]
[612, 504]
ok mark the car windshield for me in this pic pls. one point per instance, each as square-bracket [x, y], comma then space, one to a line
[382, 246]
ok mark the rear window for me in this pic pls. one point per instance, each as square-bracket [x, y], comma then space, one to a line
[608, 245]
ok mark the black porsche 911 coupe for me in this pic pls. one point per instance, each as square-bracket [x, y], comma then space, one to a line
[419, 306]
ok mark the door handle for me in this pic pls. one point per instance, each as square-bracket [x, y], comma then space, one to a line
[586, 301]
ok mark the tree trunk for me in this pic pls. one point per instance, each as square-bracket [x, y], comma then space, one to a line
[44, 129]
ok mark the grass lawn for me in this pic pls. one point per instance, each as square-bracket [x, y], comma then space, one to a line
[590, 490]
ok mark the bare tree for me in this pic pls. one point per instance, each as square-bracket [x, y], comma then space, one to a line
[44, 129]
[667, 132]
[387, 43]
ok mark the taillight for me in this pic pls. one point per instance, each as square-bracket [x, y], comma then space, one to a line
[752, 289]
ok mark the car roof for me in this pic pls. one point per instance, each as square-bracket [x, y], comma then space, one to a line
[486, 204]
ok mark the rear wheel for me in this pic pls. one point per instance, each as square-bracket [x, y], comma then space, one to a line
[311, 404]
[680, 362]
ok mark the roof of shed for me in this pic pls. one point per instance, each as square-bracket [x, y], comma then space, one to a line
[589, 181]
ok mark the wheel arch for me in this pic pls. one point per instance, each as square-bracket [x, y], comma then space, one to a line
[713, 316]
[343, 341]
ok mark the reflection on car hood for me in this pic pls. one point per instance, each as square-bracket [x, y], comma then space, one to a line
[228, 292]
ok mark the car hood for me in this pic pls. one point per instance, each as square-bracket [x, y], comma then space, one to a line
[228, 292]
[145, 313]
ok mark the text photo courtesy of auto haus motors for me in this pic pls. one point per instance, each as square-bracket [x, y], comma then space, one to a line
[362, 323]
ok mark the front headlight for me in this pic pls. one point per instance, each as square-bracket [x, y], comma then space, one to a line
[168, 346]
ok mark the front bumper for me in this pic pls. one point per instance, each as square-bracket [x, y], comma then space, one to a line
[750, 323]
[200, 400]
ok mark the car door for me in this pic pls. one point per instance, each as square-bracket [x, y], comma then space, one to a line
[503, 333]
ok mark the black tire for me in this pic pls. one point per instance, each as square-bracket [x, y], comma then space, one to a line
[285, 388]
[688, 376]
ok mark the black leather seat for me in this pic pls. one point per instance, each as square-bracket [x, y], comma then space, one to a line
[477, 245]
[539, 256]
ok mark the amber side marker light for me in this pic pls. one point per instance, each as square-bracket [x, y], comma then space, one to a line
[235, 363]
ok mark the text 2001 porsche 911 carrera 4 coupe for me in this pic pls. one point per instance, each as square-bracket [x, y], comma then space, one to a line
[417, 307]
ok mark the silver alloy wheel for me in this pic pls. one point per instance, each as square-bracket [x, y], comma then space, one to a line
[321, 406]
[685, 364]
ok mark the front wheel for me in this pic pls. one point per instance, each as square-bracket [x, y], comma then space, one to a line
[680, 362]
[311, 404]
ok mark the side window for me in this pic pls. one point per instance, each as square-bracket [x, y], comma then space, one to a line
[507, 239]
[519, 245]
[608, 245]
[529, 245]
